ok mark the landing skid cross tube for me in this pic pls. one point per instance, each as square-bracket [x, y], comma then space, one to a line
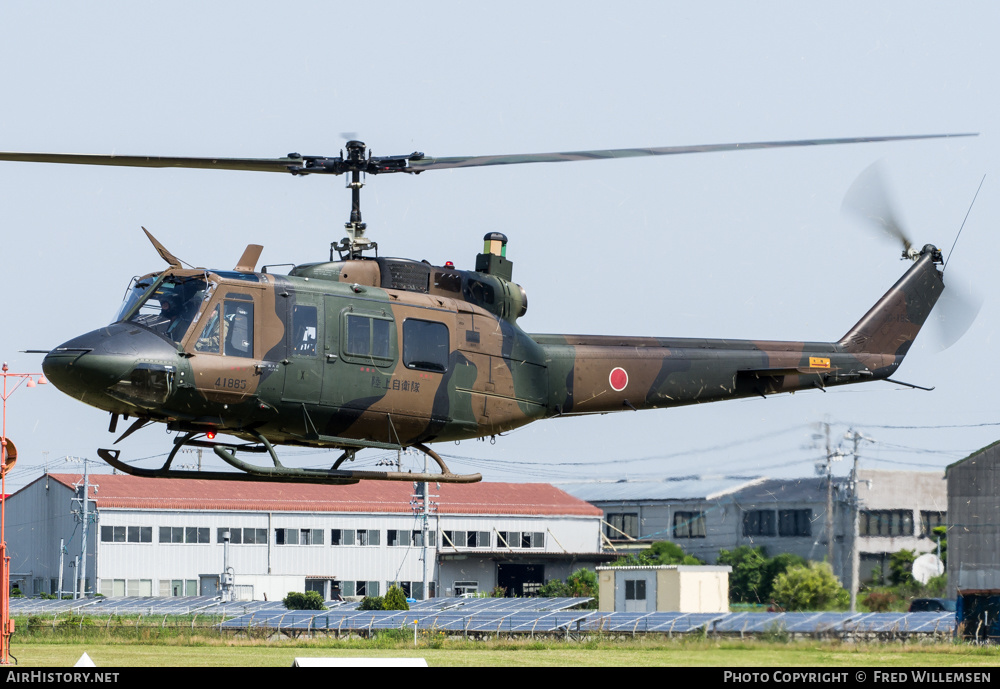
[278, 472]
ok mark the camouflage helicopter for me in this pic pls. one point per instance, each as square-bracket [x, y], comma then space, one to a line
[363, 351]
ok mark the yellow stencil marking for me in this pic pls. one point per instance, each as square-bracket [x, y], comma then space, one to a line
[819, 362]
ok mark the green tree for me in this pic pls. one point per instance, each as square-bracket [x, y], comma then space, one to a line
[901, 568]
[371, 603]
[554, 588]
[582, 583]
[395, 599]
[310, 600]
[777, 565]
[747, 578]
[659, 553]
[810, 587]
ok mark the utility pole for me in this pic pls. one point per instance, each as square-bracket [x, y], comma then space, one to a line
[62, 552]
[84, 499]
[825, 467]
[84, 516]
[421, 503]
[856, 439]
[829, 498]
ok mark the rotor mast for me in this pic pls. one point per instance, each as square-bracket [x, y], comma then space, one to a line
[355, 242]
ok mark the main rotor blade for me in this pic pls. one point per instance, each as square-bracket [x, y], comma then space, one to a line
[417, 162]
[249, 164]
[428, 163]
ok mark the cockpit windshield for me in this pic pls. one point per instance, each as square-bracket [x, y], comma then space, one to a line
[165, 305]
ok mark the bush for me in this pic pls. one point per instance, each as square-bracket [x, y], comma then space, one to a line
[901, 568]
[582, 583]
[747, 578]
[371, 603]
[810, 587]
[880, 600]
[659, 553]
[395, 599]
[310, 600]
[555, 588]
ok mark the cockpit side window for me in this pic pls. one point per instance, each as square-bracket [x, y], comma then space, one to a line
[210, 336]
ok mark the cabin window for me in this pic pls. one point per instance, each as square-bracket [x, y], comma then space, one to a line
[368, 339]
[426, 345]
[238, 316]
[303, 330]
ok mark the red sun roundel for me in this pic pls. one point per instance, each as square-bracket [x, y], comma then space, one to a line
[618, 379]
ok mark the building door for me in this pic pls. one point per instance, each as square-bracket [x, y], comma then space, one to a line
[209, 584]
[520, 580]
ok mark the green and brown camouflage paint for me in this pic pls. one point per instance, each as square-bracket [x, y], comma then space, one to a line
[495, 378]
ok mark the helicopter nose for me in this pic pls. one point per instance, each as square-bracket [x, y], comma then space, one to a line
[88, 365]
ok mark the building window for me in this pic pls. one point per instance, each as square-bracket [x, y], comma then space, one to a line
[929, 520]
[635, 589]
[127, 534]
[178, 587]
[184, 534]
[886, 523]
[521, 539]
[759, 523]
[246, 536]
[477, 539]
[454, 539]
[463, 588]
[342, 537]
[368, 537]
[298, 536]
[689, 525]
[366, 588]
[396, 537]
[795, 522]
[622, 525]
[418, 539]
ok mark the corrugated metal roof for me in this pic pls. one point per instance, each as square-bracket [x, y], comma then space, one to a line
[687, 488]
[133, 492]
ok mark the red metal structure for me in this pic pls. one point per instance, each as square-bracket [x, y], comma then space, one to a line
[8, 453]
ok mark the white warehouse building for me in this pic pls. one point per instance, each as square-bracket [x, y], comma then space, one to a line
[164, 537]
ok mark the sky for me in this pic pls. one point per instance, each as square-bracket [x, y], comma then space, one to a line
[749, 244]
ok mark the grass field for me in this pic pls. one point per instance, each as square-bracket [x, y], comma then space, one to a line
[208, 652]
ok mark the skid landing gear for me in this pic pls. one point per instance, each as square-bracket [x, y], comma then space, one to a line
[278, 472]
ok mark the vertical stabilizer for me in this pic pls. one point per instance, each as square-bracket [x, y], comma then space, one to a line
[893, 323]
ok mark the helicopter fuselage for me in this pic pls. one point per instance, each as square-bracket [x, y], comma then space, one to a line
[393, 352]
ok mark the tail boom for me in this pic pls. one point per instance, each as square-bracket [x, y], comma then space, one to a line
[601, 374]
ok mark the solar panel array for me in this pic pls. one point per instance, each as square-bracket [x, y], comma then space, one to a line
[496, 616]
